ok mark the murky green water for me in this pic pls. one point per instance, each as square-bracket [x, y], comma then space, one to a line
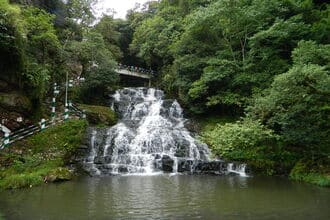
[169, 197]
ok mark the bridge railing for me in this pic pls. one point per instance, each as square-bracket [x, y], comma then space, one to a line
[137, 69]
[20, 134]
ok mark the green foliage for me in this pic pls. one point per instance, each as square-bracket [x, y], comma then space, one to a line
[216, 54]
[41, 34]
[271, 48]
[81, 11]
[98, 65]
[99, 115]
[243, 135]
[21, 180]
[152, 39]
[311, 172]
[38, 76]
[208, 123]
[29, 162]
[247, 141]
[9, 18]
[220, 81]
[37, 48]
[297, 103]
[11, 42]
[41, 50]
[107, 27]
[308, 52]
[321, 26]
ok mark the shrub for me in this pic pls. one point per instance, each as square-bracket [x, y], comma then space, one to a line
[242, 135]
[251, 142]
[311, 171]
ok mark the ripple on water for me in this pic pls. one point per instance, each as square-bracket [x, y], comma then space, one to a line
[169, 197]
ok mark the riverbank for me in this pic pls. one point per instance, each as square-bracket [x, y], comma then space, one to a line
[251, 143]
[48, 156]
[41, 158]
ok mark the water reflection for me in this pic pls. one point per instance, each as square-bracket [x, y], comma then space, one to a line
[169, 197]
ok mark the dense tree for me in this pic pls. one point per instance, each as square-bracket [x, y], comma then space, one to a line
[11, 42]
[108, 27]
[217, 53]
[81, 11]
[97, 64]
[297, 103]
[41, 41]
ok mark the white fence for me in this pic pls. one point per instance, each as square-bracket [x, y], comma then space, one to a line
[20, 134]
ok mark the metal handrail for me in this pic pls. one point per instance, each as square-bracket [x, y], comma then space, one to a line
[32, 129]
[136, 69]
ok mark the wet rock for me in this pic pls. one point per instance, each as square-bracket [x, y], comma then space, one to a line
[211, 167]
[166, 104]
[107, 159]
[182, 146]
[185, 166]
[83, 147]
[122, 169]
[99, 160]
[58, 175]
[158, 165]
[192, 126]
[167, 163]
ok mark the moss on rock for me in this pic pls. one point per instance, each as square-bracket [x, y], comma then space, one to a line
[58, 174]
[99, 115]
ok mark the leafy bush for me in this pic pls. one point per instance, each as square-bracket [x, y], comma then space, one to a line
[297, 104]
[312, 172]
[242, 135]
[251, 142]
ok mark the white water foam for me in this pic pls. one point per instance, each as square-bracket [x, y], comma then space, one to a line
[150, 133]
[239, 169]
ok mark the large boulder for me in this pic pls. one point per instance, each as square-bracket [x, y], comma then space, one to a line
[15, 102]
[99, 115]
[59, 174]
[167, 163]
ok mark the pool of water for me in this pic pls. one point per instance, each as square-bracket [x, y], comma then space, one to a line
[168, 197]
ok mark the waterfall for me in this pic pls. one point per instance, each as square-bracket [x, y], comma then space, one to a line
[149, 138]
[239, 169]
[90, 159]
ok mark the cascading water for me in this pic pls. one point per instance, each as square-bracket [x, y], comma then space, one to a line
[149, 138]
[239, 169]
